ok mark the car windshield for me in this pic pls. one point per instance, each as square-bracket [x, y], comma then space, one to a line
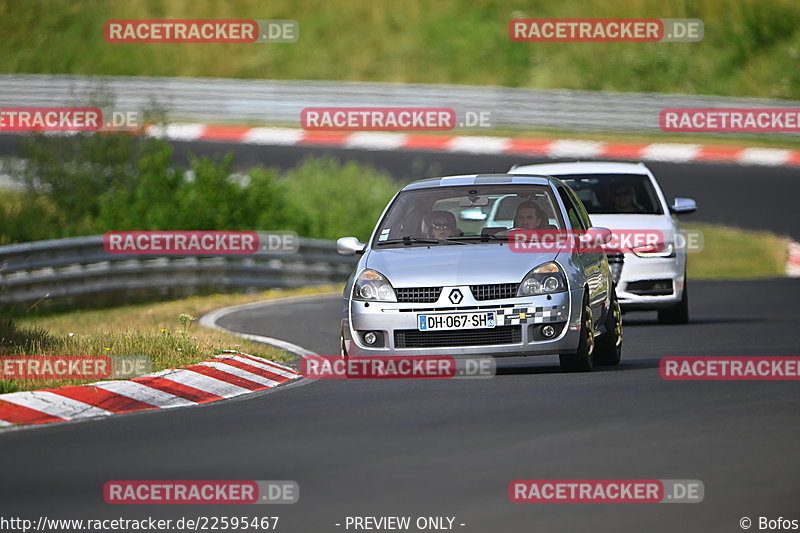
[603, 194]
[471, 214]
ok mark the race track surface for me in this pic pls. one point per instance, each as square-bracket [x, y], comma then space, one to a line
[450, 447]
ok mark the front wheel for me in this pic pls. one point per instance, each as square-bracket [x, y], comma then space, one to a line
[583, 358]
[609, 346]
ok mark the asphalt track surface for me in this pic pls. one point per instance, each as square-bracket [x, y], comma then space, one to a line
[752, 197]
[450, 447]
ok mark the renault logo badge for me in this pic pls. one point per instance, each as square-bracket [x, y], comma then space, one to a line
[456, 296]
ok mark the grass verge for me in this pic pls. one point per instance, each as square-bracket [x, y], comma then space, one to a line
[747, 49]
[733, 253]
[162, 331]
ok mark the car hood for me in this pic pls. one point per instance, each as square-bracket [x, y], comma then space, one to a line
[453, 264]
[643, 222]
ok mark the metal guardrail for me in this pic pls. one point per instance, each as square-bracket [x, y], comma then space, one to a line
[78, 268]
[280, 102]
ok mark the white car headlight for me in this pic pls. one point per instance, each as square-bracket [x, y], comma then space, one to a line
[659, 249]
[547, 278]
[372, 286]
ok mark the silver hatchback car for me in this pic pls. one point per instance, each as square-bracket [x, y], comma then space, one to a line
[435, 280]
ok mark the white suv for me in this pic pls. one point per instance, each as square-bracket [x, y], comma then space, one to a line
[626, 196]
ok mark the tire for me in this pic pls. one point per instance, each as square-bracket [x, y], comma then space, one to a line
[608, 350]
[342, 348]
[678, 314]
[583, 358]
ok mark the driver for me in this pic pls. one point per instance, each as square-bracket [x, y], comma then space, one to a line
[530, 216]
[440, 225]
[623, 198]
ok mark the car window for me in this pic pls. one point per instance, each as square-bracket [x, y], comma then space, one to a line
[442, 213]
[573, 214]
[581, 210]
[615, 193]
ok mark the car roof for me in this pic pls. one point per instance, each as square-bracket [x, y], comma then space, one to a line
[582, 167]
[521, 178]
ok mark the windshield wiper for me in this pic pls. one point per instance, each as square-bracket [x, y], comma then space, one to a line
[486, 237]
[409, 240]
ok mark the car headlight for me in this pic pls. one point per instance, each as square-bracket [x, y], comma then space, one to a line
[547, 278]
[659, 249]
[372, 286]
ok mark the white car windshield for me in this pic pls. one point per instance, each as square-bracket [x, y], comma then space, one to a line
[603, 194]
[466, 214]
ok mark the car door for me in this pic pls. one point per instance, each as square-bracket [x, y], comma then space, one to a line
[594, 264]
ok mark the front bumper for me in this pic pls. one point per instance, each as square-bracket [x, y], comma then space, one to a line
[648, 283]
[515, 334]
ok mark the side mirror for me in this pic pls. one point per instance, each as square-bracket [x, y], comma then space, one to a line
[683, 205]
[596, 235]
[349, 246]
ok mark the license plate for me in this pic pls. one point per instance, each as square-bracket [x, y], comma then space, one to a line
[446, 321]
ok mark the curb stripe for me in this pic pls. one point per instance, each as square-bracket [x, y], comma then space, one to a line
[102, 398]
[215, 133]
[225, 377]
[199, 381]
[427, 142]
[376, 141]
[252, 369]
[178, 390]
[622, 151]
[793, 261]
[13, 413]
[324, 138]
[275, 136]
[719, 153]
[279, 369]
[529, 146]
[54, 405]
[263, 381]
[479, 145]
[556, 148]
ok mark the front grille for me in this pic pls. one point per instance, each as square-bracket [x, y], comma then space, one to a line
[462, 308]
[615, 261]
[494, 292]
[656, 287]
[422, 295]
[411, 338]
